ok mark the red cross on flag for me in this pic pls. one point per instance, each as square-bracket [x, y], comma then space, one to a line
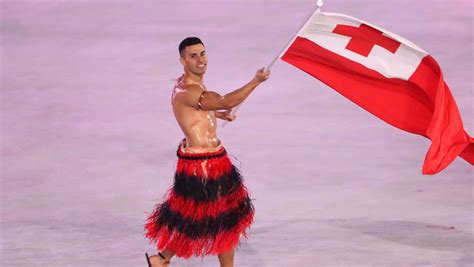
[386, 75]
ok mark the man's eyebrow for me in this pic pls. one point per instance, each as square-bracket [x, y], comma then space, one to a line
[194, 54]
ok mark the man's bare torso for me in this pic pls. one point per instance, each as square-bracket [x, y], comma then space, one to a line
[198, 126]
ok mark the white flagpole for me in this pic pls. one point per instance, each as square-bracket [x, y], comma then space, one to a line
[319, 4]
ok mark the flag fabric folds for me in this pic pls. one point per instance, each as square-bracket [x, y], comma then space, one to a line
[386, 75]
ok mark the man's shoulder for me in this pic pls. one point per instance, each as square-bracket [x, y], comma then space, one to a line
[190, 90]
[187, 87]
[191, 87]
[186, 93]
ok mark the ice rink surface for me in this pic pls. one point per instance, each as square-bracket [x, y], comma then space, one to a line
[89, 139]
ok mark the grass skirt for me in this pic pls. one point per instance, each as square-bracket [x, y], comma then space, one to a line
[207, 209]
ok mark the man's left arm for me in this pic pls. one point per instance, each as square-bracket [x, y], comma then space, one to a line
[224, 115]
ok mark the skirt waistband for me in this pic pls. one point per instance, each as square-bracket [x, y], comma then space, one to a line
[198, 153]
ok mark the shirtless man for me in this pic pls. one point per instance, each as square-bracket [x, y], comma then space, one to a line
[199, 122]
[196, 110]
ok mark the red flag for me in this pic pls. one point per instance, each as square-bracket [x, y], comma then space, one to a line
[386, 75]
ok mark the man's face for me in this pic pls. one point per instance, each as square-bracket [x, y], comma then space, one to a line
[194, 59]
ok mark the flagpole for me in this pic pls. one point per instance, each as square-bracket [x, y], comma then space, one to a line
[319, 4]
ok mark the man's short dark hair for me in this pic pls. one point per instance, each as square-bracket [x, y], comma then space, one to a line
[188, 42]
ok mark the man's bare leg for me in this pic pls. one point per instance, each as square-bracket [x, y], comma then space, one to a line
[226, 259]
[157, 261]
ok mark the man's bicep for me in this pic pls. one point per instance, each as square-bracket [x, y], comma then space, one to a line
[212, 101]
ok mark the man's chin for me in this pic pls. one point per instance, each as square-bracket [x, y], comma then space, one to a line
[196, 71]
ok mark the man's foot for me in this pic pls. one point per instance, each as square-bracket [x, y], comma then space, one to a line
[157, 261]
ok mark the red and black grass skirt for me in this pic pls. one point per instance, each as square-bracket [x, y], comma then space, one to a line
[207, 209]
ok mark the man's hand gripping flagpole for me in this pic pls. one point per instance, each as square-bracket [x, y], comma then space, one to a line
[319, 4]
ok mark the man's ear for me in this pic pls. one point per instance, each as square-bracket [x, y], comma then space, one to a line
[181, 59]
